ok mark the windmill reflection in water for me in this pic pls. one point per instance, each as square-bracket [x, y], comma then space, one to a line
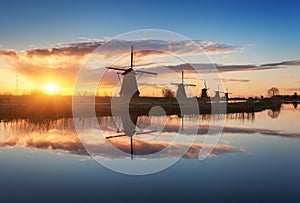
[130, 129]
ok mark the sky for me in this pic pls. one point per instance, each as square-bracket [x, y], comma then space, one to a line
[254, 44]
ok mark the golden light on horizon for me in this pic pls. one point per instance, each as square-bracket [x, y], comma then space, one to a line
[50, 88]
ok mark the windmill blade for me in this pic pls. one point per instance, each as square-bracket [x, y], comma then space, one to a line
[113, 68]
[146, 72]
[193, 85]
[174, 83]
[146, 132]
[156, 86]
[114, 136]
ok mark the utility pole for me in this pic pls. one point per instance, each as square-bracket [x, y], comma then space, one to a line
[17, 85]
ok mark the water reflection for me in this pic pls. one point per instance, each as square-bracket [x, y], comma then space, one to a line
[129, 123]
[60, 135]
[135, 136]
[273, 113]
[295, 104]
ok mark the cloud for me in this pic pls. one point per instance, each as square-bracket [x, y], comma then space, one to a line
[9, 53]
[63, 61]
[110, 47]
[75, 49]
[288, 63]
[295, 89]
[232, 80]
[208, 68]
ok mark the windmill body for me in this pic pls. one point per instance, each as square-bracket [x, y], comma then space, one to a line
[181, 94]
[129, 86]
[227, 94]
[217, 95]
[204, 96]
[181, 91]
[204, 93]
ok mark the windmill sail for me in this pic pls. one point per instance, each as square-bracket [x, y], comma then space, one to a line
[129, 88]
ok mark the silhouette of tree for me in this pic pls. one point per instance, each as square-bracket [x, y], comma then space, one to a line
[167, 93]
[295, 96]
[273, 91]
[273, 113]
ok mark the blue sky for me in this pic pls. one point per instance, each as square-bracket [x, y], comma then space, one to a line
[269, 26]
[267, 32]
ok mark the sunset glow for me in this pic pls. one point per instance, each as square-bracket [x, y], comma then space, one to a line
[249, 64]
[51, 88]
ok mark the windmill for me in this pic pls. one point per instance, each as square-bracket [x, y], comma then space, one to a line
[181, 94]
[129, 129]
[227, 94]
[129, 87]
[204, 95]
[217, 97]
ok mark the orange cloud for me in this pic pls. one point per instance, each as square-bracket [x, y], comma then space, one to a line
[62, 63]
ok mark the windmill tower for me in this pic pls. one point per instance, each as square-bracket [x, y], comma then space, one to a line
[129, 87]
[227, 94]
[217, 97]
[181, 94]
[204, 92]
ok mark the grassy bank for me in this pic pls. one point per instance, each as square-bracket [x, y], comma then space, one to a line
[52, 107]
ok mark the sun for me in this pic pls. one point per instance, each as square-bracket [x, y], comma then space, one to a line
[50, 88]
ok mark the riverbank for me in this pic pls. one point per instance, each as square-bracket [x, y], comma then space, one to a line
[53, 107]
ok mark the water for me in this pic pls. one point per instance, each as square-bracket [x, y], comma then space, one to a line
[256, 160]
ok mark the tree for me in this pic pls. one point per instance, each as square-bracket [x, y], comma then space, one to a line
[295, 96]
[273, 91]
[167, 93]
